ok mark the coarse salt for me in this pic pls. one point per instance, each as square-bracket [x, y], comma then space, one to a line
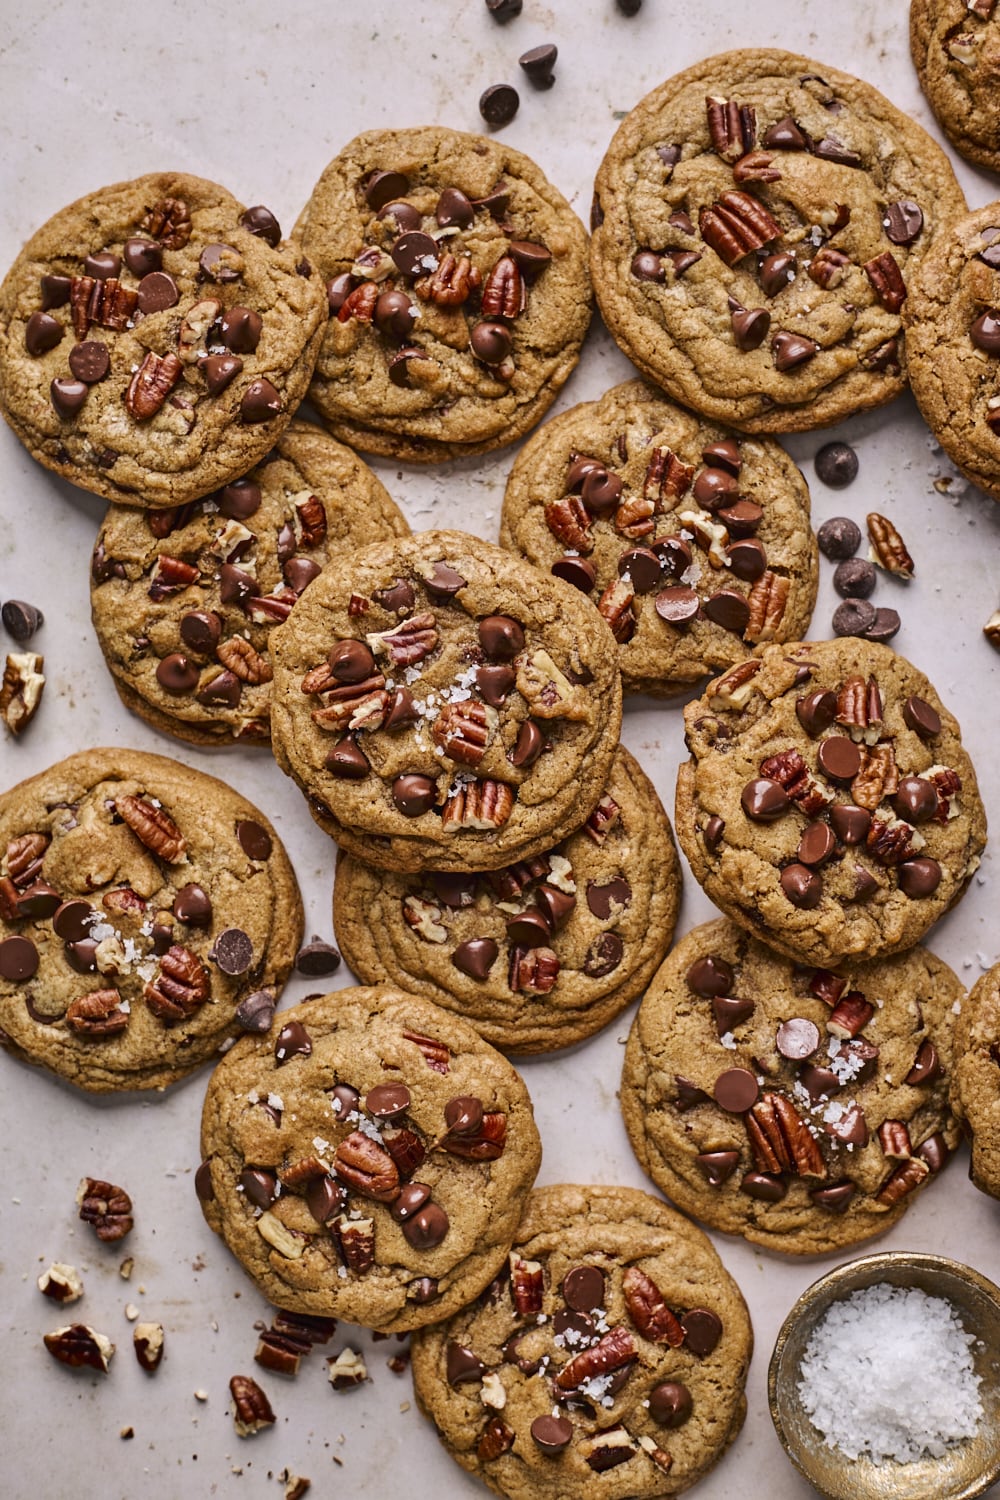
[859, 1383]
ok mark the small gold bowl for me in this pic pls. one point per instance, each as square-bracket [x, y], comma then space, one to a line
[970, 1466]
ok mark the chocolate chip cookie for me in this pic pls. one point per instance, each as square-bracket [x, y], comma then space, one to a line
[458, 289]
[955, 45]
[974, 1095]
[444, 705]
[367, 1159]
[828, 805]
[145, 910]
[798, 1107]
[616, 1341]
[155, 338]
[694, 543]
[953, 338]
[183, 600]
[538, 955]
[758, 218]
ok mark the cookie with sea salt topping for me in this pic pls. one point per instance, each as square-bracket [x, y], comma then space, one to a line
[145, 910]
[608, 1361]
[828, 806]
[974, 1094]
[458, 287]
[757, 222]
[367, 1159]
[444, 705]
[183, 601]
[155, 338]
[799, 1107]
[694, 543]
[955, 46]
[538, 955]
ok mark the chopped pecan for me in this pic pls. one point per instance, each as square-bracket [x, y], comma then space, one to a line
[356, 1239]
[766, 601]
[170, 576]
[123, 901]
[78, 1344]
[10, 911]
[23, 859]
[894, 1138]
[147, 1341]
[509, 882]
[251, 1408]
[346, 1370]
[981, 8]
[947, 783]
[615, 606]
[305, 1169]
[859, 709]
[602, 819]
[367, 1167]
[888, 549]
[496, 1438]
[660, 1457]
[569, 520]
[106, 1208]
[736, 224]
[360, 303]
[271, 607]
[891, 840]
[756, 166]
[732, 127]
[790, 771]
[781, 1140]
[533, 971]
[547, 691]
[425, 919]
[878, 777]
[828, 267]
[486, 1145]
[408, 642]
[850, 1015]
[607, 1449]
[355, 705]
[80, 291]
[887, 281]
[483, 804]
[153, 827]
[666, 478]
[192, 337]
[504, 294]
[451, 283]
[734, 688]
[21, 689]
[406, 1150]
[435, 1053]
[902, 1180]
[97, 1015]
[648, 1309]
[312, 521]
[827, 986]
[288, 1242]
[527, 1285]
[61, 1283]
[181, 985]
[709, 534]
[615, 1349]
[319, 679]
[168, 221]
[634, 517]
[151, 384]
[464, 730]
[239, 657]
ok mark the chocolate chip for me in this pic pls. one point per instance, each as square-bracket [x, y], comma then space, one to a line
[176, 675]
[73, 920]
[55, 291]
[402, 710]
[412, 1197]
[838, 538]
[531, 257]
[816, 844]
[556, 905]
[922, 718]
[82, 956]
[294, 1041]
[203, 1185]
[351, 661]
[529, 929]
[741, 518]
[67, 397]
[647, 266]
[325, 1198]
[338, 289]
[254, 840]
[919, 878]
[256, 1012]
[903, 221]
[201, 631]
[934, 1151]
[454, 209]
[629, 7]
[404, 216]
[415, 253]
[885, 627]
[21, 619]
[985, 332]
[837, 466]
[475, 957]
[382, 187]
[702, 1330]
[797, 1038]
[575, 570]
[789, 350]
[259, 1185]
[103, 265]
[836, 1197]
[462, 1365]
[718, 1166]
[816, 711]
[670, 1403]
[398, 599]
[444, 582]
[499, 104]
[853, 617]
[232, 951]
[345, 1101]
[241, 329]
[42, 332]
[235, 586]
[224, 690]
[728, 609]
[715, 487]
[602, 899]
[802, 886]
[413, 794]
[736, 1091]
[926, 1065]
[347, 761]
[300, 571]
[90, 361]
[538, 63]
[261, 222]
[39, 900]
[317, 959]
[763, 1187]
[855, 578]
[495, 683]
[764, 800]
[387, 1101]
[776, 272]
[219, 370]
[688, 1094]
[552, 1434]
[192, 906]
[220, 263]
[427, 1227]
[422, 1289]
[643, 567]
[260, 402]
[710, 976]
[603, 956]
[464, 1115]
[156, 292]
[730, 1012]
[501, 637]
[583, 1288]
[850, 824]
[453, 889]
[18, 959]
[784, 135]
[601, 491]
[528, 746]
[915, 800]
[747, 560]
[394, 315]
[750, 327]
[490, 342]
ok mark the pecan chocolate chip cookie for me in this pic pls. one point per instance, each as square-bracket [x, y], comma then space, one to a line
[975, 1097]
[955, 45]
[538, 955]
[953, 338]
[795, 1106]
[694, 544]
[458, 289]
[828, 806]
[444, 705]
[757, 221]
[155, 338]
[183, 600]
[367, 1159]
[141, 904]
[616, 1341]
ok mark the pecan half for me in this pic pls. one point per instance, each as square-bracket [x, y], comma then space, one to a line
[902, 1180]
[80, 291]
[615, 1349]
[504, 294]
[781, 1140]
[452, 282]
[756, 166]
[360, 705]
[23, 859]
[97, 1015]
[877, 779]
[615, 606]
[425, 919]
[569, 520]
[464, 730]
[356, 1239]
[486, 1145]
[736, 224]
[887, 281]
[496, 1438]
[288, 1242]
[533, 971]
[251, 1408]
[106, 1208]
[78, 1344]
[602, 819]
[888, 549]
[731, 126]
[436, 1054]
[298, 1173]
[168, 221]
[312, 521]
[894, 1138]
[21, 689]
[648, 1309]
[181, 985]
[406, 1150]
[859, 709]
[766, 601]
[151, 385]
[667, 478]
[483, 804]
[828, 267]
[153, 827]
[360, 303]
[239, 657]
[547, 691]
[526, 1285]
[408, 642]
[367, 1167]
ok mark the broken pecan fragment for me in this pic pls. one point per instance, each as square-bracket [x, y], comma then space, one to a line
[781, 1140]
[77, 1344]
[486, 1145]
[312, 521]
[239, 657]
[425, 919]
[496, 1438]
[602, 819]
[828, 267]
[170, 575]
[24, 857]
[360, 303]
[667, 478]
[151, 385]
[408, 642]
[891, 840]
[615, 606]
[251, 1408]
[61, 1283]
[648, 1309]
[153, 827]
[21, 689]
[634, 517]
[435, 1053]
[526, 1285]
[483, 804]
[608, 1449]
[357, 705]
[850, 1015]
[356, 1239]
[887, 281]
[106, 1208]
[181, 985]
[97, 1015]
[451, 283]
[756, 166]
[504, 294]
[732, 127]
[888, 549]
[168, 221]
[902, 1180]
[547, 691]
[733, 690]
[736, 224]
[791, 773]
[859, 709]
[766, 601]
[615, 1349]
[367, 1167]
[147, 1341]
[568, 519]
[533, 971]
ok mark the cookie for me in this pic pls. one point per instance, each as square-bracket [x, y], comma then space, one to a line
[828, 806]
[443, 705]
[758, 219]
[953, 336]
[458, 288]
[539, 955]
[367, 1159]
[955, 45]
[141, 904]
[974, 1096]
[609, 1362]
[694, 543]
[155, 339]
[797, 1107]
[183, 601]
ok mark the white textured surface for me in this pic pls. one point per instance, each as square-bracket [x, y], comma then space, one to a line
[260, 96]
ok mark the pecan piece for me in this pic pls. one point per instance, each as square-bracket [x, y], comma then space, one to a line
[251, 1408]
[406, 1150]
[181, 985]
[367, 1167]
[733, 690]
[947, 783]
[170, 575]
[790, 771]
[61, 1283]
[479, 804]
[111, 304]
[902, 1180]
[828, 267]
[24, 857]
[288, 1242]
[666, 478]
[239, 657]
[731, 126]
[168, 221]
[123, 901]
[408, 642]
[504, 294]
[486, 1145]
[298, 1173]
[736, 224]
[615, 606]
[356, 1239]
[877, 779]
[436, 1054]
[850, 1015]
[151, 385]
[80, 291]
[97, 1015]
[660, 1457]
[888, 550]
[526, 1285]
[358, 705]
[346, 1370]
[569, 520]
[648, 1309]
[495, 1439]
[464, 730]
[894, 1138]
[78, 1344]
[533, 971]
[766, 601]
[756, 166]
[147, 1341]
[708, 533]
[312, 521]
[425, 919]
[615, 1349]
[21, 689]
[452, 282]
[634, 517]
[153, 827]
[547, 691]
[602, 819]
[192, 336]
[891, 840]
[781, 1140]
[107, 1208]
[360, 303]
[859, 709]
[887, 281]
[607, 1449]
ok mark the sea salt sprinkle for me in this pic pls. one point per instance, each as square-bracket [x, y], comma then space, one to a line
[860, 1384]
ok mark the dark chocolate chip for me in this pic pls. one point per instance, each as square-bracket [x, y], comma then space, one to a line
[934, 1151]
[394, 315]
[648, 266]
[345, 1101]
[499, 104]
[351, 661]
[784, 135]
[556, 905]
[718, 1166]
[711, 976]
[919, 878]
[338, 289]
[241, 329]
[915, 800]
[885, 627]
[670, 1403]
[528, 746]
[216, 263]
[259, 1185]
[427, 1227]
[235, 585]
[177, 675]
[67, 397]
[802, 886]
[21, 619]
[260, 403]
[926, 1065]
[552, 1434]
[261, 222]
[415, 253]
[193, 906]
[583, 1288]
[789, 350]
[601, 491]
[850, 824]
[317, 959]
[73, 920]
[501, 637]
[461, 1364]
[922, 718]
[677, 605]
[491, 342]
[254, 840]
[201, 631]
[816, 711]
[382, 187]
[219, 370]
[387, 1101]
[531, 257]
[232, 951]
[402, 710]
[702, 1330]
[836, 1197]
[90, 361]
[643, 567]
[156, 292]
[839, 538]
[18, 959]
[142, 256]
[444, 582]
[736, 1091]
[404, 216]
[742, 518]
[763, 1187]
[103, 265]
[464, 1115]
[538, 63]
[413, 794]
[495, 683]
[816, 844]
[453, 209]
[300, 571]
[853, 617]
[224, 690]
[55, 291]
[42, 332]
[764, 800]
[294, 1041]
[747, 559]
[751, 327]
[712, 832]
[688, 1094]
[529, 928]
[797, 1038]
[39, 900]
[325, 1198]
[985, 332]
[728, 609]
[82, 956]
[602, 899]
[837, 466]
[475, 957]
[347, 761]
[203, 1185]
[578, 571]
[715, 487]
[730, 1012]
[776, 272]
[603, 956]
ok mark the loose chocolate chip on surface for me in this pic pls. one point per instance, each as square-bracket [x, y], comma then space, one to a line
[837, 466]
[710, 976]
[504, 10]
[90, 361]
[261, 222]
[736, 1090]
[922, 718]
[232, 951]
[21, 619]
[317, 958]
[499, 104]
[538, 63]
[802, 886]
[764, 800]
[884, 627]
[797, 1038]
[816, 711]
[413, 794]
[838, 538]
[475, 957]
[629, 7]
[254, 840]
[855, 578]
[853, 617]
